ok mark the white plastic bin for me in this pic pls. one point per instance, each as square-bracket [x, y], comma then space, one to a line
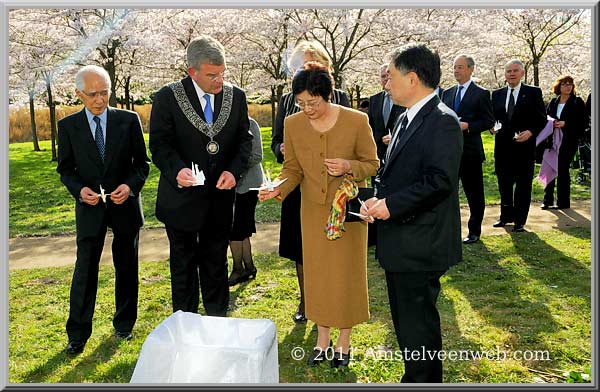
[190, 348]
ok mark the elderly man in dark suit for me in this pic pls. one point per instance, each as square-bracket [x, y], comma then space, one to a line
[473, 106]
[383, 113]
[199, 122]
[416, 203]
[520, 109]
[102, 160]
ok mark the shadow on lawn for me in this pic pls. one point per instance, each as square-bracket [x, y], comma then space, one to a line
[502, 298]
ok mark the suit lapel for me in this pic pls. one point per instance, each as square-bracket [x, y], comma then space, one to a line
[413, 127]
[113, 135]
[467, 95]
[190, 91]
[86, 139]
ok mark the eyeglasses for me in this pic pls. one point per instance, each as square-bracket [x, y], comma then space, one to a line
[214, 77]
[566, 84]
[310, 105]
[94, 94]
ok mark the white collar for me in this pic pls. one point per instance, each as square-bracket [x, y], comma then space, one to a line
[414, 109]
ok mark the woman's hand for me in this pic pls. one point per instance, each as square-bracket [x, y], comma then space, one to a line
[337, 166]
[559, 124]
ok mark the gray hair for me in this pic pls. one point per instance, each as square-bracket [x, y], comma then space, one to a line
[384, 66]
[470, 61]
[90, 69]
[205, 50]
[514, 61]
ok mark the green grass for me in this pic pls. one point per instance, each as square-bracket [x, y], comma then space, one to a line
[41, 205]
[529, 291]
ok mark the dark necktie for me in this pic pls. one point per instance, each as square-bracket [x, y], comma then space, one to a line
[457, 99]
[396, 137]
[511, 104]
[387, 107]
[99, 136]
[208, 112]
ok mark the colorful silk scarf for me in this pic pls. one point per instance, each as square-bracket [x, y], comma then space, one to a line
[347, 190]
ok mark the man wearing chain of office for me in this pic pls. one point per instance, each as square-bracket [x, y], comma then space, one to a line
[200, 142]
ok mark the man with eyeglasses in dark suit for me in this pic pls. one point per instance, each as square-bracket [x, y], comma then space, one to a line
[102, 160]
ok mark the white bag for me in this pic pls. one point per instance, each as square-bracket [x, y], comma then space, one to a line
[190, 348]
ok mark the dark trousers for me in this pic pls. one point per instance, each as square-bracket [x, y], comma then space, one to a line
[471, 176]
[85, 282]
[514, 183]
[198, 260]
[566, 154]
[413, 297]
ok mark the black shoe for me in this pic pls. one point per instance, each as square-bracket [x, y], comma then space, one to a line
[250, 273]
[545, 206]
[500, 223]
[340, 360]
[471, 238]
[318, 355]
[518, 229]
[124, 335]
[562, 207]
[236, 278]
[75, 347]
[299, 317]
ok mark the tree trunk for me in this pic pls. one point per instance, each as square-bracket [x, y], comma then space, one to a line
[128, 101]
[34, 137]
[536, 72]
[273, 98]
[52, 108]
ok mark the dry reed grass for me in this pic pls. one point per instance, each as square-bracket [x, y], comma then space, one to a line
[20, 125]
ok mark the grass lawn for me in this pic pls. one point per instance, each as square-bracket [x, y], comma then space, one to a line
[40, 205]
[512, 293]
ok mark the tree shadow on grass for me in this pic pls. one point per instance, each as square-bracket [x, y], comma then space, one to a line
[548, 265]
[501, 295]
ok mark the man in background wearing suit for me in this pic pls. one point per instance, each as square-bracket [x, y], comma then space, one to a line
[416, 204]
[201, 121]
[102, 149]
[520, 109]
[383, 114]
[473, 106]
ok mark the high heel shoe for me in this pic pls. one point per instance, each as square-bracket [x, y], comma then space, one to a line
[340, 359]
[299, 316]
[236, 277]
[250, 273]
[318, 355]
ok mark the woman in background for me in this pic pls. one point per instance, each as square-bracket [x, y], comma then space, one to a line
[243, 214]
[569, 111]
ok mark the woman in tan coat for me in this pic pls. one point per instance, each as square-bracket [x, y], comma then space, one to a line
[323, 143]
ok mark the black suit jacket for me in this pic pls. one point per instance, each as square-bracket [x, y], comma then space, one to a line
[574, 115]
[529, 114]
[175, 143]
[476, 109]
[420, 185]
[126, 162]
[377, 124]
